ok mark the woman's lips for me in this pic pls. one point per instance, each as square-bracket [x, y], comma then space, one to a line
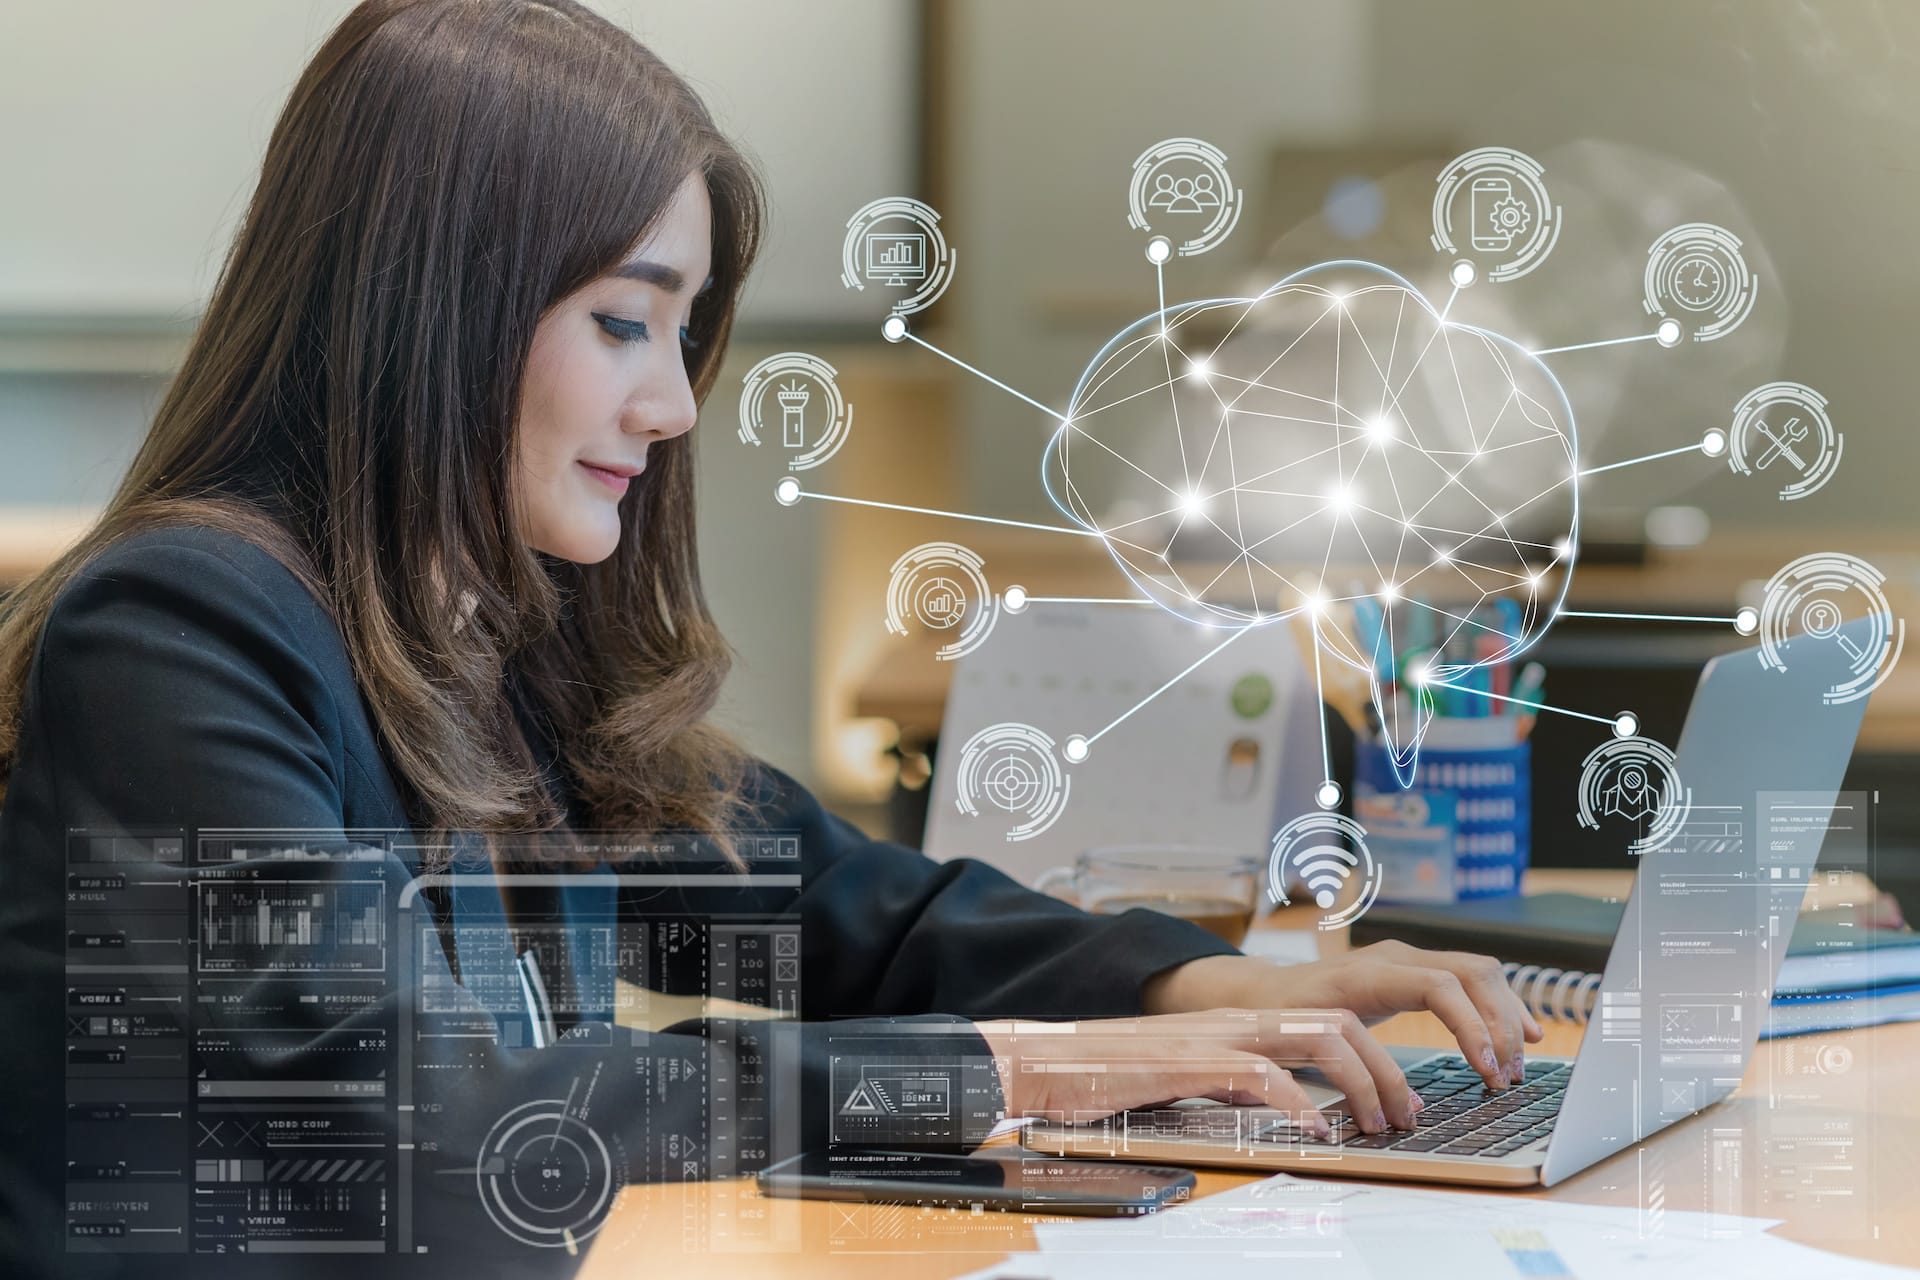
[615, 480]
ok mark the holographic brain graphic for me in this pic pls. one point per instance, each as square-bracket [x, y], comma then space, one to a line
[1334, 447]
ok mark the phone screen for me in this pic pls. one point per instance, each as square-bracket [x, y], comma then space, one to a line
[925, 1177]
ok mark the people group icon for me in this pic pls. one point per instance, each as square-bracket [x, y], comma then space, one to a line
[1197, 194]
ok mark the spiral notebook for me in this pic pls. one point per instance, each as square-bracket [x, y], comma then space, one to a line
[1554, 946]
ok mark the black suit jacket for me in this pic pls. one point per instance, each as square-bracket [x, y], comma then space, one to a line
[187, 680]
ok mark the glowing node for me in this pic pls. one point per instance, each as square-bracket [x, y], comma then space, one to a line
[1667, 333]
[1463, 274]
[1159, 249]
[1338, 298]
[1199, 369]
[1328, 797]
[787, 492]
[1381, 429]
[1340, 500]
[1563, 548]
[1533, 579]
[1714, 442]
[1389, 592]
[1313, 603]
[1626, 724]
[1443, 556]
[1746, 620]
[1419, 675]
[893, 328]
[1076, 748]
[1014, 599]
[1193, 505]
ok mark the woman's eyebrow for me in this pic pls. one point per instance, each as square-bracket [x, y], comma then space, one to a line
[653, 273]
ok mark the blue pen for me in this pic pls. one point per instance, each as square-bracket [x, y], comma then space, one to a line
[1533, 678]
[1369, 623]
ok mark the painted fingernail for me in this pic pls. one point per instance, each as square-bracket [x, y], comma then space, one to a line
[1318, 1123]
[1415, 1103]
[1380, 1122]
[1519, 1067]
[1492, 1063]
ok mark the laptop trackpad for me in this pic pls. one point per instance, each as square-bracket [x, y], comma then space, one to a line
[1320, 1091]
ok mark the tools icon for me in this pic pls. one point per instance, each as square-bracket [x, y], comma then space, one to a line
[1794, 433]
[1805, 441]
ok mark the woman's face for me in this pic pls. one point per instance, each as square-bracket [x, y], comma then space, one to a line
[605, 379]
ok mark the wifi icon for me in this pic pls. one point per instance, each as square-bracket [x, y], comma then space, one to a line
[1324, 870]
[1326, 852]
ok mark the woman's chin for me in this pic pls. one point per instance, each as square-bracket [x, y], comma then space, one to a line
[583, 545]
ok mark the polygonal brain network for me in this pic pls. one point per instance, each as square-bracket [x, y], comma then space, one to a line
[1333, 441]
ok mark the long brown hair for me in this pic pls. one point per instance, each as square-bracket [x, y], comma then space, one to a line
[444, 172]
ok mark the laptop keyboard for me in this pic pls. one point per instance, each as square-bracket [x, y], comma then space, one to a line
[1462, 1117]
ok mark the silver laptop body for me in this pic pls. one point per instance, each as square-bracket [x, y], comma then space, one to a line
[1687, 986]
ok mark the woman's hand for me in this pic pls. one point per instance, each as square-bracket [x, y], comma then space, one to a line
[1239, 1056]
[1466, 992]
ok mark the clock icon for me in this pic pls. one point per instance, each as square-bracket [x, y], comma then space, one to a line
[1698, 282]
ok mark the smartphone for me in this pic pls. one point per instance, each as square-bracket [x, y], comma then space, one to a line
[1484, 195]
[1103, 1188]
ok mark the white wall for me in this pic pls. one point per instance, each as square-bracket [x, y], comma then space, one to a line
[131, 132]
[1054, 102]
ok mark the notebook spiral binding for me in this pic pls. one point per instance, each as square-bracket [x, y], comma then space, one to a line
[1564, 994]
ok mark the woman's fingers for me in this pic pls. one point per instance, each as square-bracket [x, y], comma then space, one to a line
[1399, 1103]
[1250, 1079]
[1325, 1039]
[1441, 993]
[1500, 1008]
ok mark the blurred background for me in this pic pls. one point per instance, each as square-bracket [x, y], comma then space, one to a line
[130, 134]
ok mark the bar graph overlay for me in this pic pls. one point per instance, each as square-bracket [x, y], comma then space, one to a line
[304, 926]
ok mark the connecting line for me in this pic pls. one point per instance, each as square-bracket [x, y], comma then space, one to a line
[1443, 319]
[951, 515]
[1169, 684]
[1320, 712]
[1647, 617]
[1652, 457]
[1609, 342]
[1055, 414]
[1537, 706]
[1082, 600]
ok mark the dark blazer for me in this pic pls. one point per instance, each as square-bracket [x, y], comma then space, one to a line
[187, 680]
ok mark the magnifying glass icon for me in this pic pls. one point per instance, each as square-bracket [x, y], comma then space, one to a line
[1821, 619]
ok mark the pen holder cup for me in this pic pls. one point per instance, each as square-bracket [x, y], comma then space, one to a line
[1462, 831]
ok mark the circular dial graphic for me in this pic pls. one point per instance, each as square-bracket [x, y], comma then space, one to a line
[545, 1177]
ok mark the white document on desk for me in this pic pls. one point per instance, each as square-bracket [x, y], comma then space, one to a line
[1220, 759]
[1294, 1226]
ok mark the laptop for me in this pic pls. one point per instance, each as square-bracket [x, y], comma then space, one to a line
[1686, 989]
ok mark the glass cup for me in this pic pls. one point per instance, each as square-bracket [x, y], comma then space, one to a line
[1215, 888]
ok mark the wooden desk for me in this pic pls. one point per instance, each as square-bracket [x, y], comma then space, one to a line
[1876, 1100]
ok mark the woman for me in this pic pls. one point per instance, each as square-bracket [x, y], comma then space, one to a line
[409, 548]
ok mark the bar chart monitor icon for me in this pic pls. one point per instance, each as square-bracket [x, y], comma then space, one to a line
[896, 258]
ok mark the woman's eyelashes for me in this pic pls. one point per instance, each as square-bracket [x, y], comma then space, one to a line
[637, 331]
[623, 330]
